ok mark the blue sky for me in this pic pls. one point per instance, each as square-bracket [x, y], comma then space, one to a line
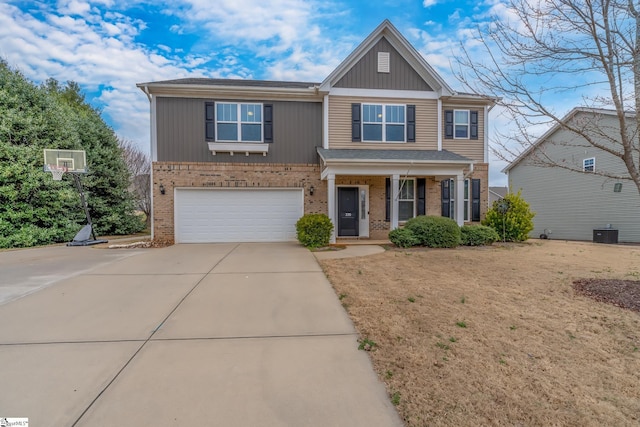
[107, 46]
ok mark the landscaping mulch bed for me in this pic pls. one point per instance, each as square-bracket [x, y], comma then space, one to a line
[621, 293]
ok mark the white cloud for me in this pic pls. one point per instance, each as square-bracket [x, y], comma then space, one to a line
[429, 3]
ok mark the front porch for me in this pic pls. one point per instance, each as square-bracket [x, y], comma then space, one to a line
[370, 192]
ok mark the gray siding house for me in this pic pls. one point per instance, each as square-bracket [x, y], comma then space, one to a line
[382, 139]
[569, 204]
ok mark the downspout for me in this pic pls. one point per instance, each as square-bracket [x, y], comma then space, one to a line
[470, 171]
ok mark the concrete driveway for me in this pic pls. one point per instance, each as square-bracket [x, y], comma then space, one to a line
[206, 334]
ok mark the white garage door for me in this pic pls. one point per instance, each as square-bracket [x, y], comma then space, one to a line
[237, 215]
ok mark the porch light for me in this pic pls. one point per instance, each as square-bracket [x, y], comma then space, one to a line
[311, 190]
[161, 188]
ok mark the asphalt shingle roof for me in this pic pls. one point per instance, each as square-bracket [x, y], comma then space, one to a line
[400, 155]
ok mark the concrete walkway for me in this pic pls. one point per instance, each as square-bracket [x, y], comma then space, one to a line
[215, 335]
[350, 251]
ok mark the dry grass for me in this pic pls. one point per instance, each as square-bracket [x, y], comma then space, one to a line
[533, 353]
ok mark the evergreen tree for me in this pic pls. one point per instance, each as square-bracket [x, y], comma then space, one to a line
[34, 209]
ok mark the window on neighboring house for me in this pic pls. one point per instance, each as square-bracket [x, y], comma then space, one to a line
[407, 200]
[461, 124]
[238, 122]
[383, 123]
[589, 165]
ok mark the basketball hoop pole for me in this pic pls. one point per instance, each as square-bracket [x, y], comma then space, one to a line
[76, 180]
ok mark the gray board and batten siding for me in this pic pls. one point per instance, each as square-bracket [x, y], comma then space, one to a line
[364, 74]
[297, 131]
[573, 204]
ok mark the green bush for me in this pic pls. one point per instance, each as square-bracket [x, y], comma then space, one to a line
[511, 217]
[434, 231]
[478, 235]
[314, 230]
[403, 238]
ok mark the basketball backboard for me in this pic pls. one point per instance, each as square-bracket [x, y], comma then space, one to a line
[74, 161]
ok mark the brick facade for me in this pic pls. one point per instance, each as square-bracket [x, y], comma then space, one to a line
[270, 175]
[230, 175]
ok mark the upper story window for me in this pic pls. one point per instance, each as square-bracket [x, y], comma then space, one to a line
[383, 123]
[238, 122]
[461, 124]
[589, 165]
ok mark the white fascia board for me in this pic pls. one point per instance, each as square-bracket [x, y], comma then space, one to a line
[382, 93]
[405, 170]
[243, 92]
[486, 134]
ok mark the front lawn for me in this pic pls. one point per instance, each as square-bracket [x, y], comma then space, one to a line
[498, 335]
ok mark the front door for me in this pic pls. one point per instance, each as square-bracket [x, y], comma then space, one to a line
[348, 218]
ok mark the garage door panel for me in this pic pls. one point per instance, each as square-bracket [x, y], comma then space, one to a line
[220, 215]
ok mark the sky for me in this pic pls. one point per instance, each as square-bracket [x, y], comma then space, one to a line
[107, 46]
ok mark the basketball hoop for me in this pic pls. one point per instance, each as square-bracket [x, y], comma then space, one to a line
[57, 172]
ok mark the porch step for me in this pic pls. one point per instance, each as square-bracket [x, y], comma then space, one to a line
[342, 241]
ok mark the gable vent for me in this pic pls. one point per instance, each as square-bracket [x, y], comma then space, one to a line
[383, 62]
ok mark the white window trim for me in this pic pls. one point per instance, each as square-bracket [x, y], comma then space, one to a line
[239, 122]
[384, 124]
[584, 164]
[460, 124]
[414, 200]
[467, 200]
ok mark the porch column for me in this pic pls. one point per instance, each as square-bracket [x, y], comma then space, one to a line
[394, 205]
[460, 199]
[331, 205]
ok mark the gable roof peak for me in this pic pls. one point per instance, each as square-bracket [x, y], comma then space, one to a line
[405, 49]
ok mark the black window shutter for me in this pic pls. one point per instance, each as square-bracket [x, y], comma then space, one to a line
[210, 121]
[422, 193]
[356, 133]
[475, 200]
[448, 125]
[474, 124]
[411, 123]
[387, 196]
[446, 198]
[267, 114]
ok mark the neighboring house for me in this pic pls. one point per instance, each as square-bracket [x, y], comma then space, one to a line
[569, 204]
[497, 193]
[382, 139]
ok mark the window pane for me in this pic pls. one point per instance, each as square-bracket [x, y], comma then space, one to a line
[372, 113]
[466, 210]
[227, 132]
[372, 132]
[227, 112]
[466, 189]
[251, 113]
[461, 131]
[462, 117]
[395, 132]
[394, 113]
[405, 210]
[407, 188]
[251, 132]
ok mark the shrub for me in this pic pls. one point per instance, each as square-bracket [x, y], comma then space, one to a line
[478, 235]
[314, 230]
[403, 238]
[511, 217]
[435, 231]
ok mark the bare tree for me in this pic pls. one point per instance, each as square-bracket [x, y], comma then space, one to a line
[139, 166]
[552, 47]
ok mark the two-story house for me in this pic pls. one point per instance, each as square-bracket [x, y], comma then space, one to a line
[564, 179]
[382, 139]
